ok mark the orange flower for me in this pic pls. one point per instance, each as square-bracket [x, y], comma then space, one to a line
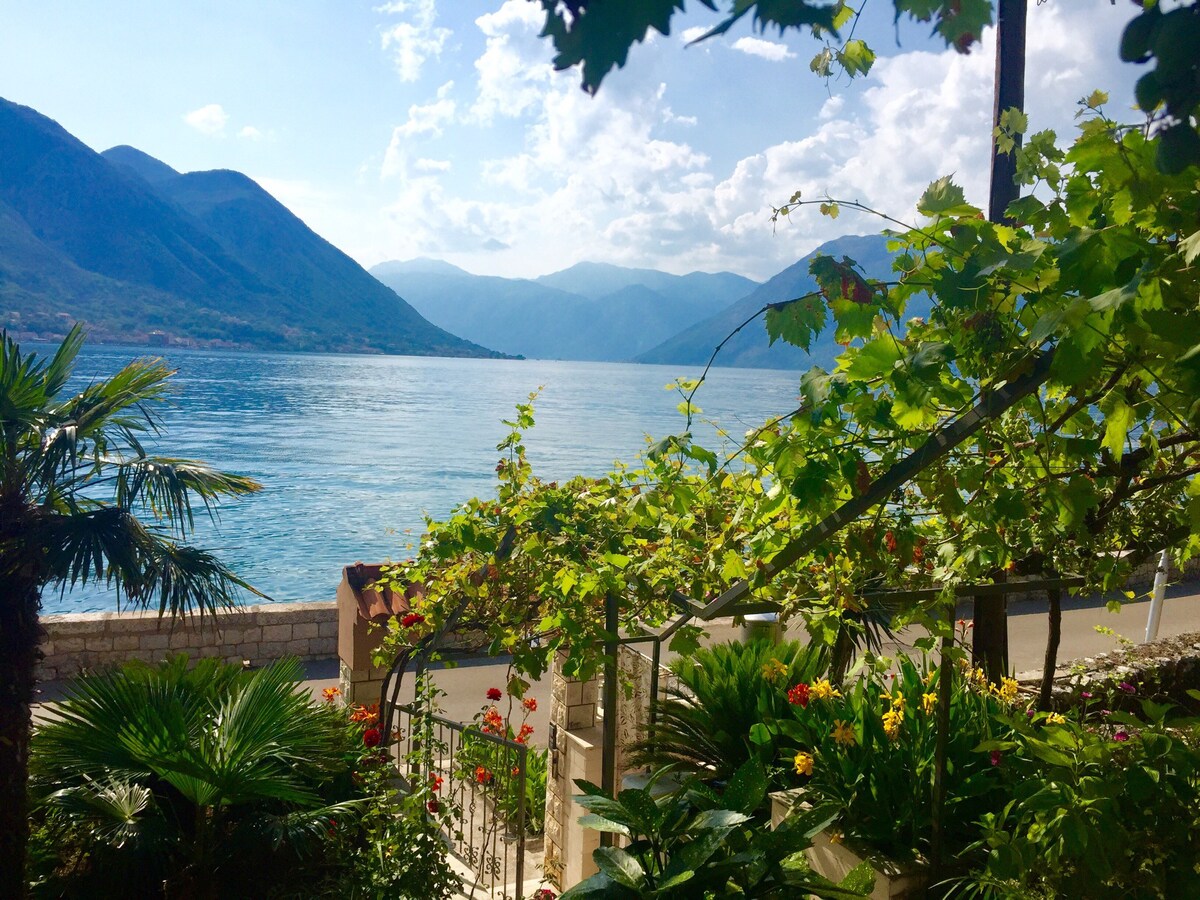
[331, 693]
[366, 715]
[530, 703]
[482, 775]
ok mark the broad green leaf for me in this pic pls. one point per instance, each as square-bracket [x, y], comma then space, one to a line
[747, 788]
[620, 866]
[1118, 419]
[944, 198]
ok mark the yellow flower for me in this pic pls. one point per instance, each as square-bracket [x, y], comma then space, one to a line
[898, 702]
[843, 733]
[774, 670]
[1008, 690]
[891, 724]
[1055, 719]
[804, 763]
[928, 703]
[823, 690]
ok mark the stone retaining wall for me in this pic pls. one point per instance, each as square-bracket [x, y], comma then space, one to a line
[258, 634]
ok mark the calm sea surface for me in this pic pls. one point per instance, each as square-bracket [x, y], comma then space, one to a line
[352, 450]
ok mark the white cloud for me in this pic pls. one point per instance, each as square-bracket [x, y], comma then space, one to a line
[208, 119]
[514, 71]
[250, 133]
[771, 50]
[690, 34]
[424, 120]
[595, 178]
[415, 40]
[431, 165]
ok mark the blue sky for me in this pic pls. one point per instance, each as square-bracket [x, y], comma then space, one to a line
[437, 128]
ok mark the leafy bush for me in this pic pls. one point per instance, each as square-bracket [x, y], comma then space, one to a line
[165, 781]
[692, 842]
[1106, 808]
[160, 781]
[703, 723]
[870, 752]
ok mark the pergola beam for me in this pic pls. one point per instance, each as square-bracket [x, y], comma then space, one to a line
[990, 405]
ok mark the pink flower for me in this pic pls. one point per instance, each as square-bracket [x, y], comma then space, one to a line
[1086, 695]
[545, 894]
[1126, 687]
[996, 757]
[494, 694]
[1121, 736]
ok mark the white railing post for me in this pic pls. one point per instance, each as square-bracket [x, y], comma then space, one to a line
[1156, 597]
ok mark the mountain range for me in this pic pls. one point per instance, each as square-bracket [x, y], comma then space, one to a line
[142, 252]
[596, 311]
[145, 254]
[591, 311]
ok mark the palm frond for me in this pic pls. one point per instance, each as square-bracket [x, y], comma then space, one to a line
[110, 544]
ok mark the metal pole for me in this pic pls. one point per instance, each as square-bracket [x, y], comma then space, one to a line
[1156, 597]
[609, 758]
[523, 756]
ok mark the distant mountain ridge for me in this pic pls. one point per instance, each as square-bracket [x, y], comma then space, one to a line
[751, 348]
[131, 246]
[591, 311]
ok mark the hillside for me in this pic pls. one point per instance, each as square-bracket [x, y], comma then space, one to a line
[125, 243]
[750, 348]
[592, 311]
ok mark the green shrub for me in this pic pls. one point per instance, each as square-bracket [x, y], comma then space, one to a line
[691, 841]
[1103, 807]
[703, 723]
[870, 752]
[164, 781]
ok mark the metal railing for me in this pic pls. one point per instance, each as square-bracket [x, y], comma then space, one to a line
[483, 784]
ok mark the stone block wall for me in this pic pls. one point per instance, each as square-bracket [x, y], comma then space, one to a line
[259, 634]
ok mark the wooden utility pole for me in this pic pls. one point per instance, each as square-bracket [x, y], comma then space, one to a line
[1009, 94]
[989, 643]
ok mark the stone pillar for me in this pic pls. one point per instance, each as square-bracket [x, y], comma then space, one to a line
[359, 680]
[576, 752]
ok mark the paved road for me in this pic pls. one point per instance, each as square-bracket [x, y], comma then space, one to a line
[466, 685]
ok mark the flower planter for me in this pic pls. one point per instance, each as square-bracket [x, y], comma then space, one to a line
[833, 858]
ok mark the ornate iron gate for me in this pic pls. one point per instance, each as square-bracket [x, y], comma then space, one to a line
[483, 779]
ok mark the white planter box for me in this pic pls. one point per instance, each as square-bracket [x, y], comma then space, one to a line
[834, 859]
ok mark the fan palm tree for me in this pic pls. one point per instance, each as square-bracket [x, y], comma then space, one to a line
[207, 782]
[81, 501]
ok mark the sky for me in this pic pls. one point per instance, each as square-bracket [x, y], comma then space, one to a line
[438, 128]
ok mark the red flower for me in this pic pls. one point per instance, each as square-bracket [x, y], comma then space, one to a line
[493, 722]
[530, 703]
[372, 737]
[526, 731]
[412, 619]
[482, 775]
[433, 806]
[996, 756]
[889, 541]
[798, 695]
[544, 894]
[1121, 736]
[494, 694]
[435, 782]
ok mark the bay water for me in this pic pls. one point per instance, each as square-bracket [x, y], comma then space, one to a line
[353, 450]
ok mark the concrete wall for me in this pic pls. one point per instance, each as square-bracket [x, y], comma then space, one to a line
[259, 634]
